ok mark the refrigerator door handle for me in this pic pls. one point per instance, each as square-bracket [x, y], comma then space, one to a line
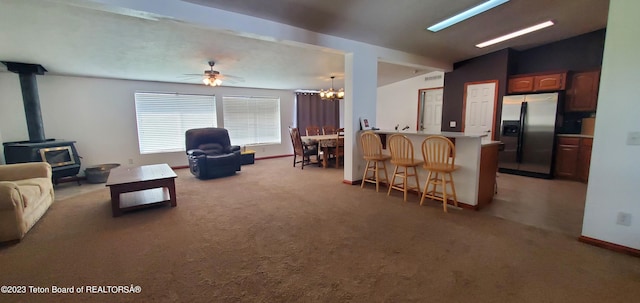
[523, 115]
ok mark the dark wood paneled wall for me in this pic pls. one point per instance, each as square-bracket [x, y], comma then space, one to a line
[578, 53]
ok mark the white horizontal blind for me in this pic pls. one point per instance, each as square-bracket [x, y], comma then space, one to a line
[164, 118]
[252, 120]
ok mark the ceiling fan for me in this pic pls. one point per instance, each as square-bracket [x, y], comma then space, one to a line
[214, 78]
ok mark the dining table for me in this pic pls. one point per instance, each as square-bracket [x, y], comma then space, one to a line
[324, 143]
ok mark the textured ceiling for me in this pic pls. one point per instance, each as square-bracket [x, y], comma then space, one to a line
[78, 37]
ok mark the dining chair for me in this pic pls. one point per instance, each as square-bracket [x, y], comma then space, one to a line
[300, 149]
[372, 153]
[329, 130]
[439, 155]
[313, 131]
[402, 157]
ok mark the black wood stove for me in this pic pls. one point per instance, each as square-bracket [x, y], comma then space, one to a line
[61, 154]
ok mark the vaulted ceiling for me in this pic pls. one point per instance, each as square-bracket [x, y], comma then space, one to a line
[85, 38]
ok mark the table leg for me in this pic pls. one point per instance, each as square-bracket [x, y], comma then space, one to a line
[325, 154]
[172, 193]
[115, 203]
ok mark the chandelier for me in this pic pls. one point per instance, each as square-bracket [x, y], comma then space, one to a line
[211, 80]
[332, 94]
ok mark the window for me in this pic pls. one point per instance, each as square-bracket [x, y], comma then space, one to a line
[163, 118]
[252, 120]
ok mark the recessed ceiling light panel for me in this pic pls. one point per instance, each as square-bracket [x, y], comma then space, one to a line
[466, 15]
[515, 34]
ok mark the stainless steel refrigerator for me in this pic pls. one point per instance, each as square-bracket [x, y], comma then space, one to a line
[528, 127]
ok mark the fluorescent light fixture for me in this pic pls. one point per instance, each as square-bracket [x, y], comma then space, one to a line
[515, 34]
[466, 15]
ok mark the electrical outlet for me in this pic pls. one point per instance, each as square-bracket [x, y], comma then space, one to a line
[633, 138]
[452, 123]
[130, 161]
[623, 219]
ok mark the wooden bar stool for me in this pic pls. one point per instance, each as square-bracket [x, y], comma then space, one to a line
[372, 150]
[402, 157]
[439, 155]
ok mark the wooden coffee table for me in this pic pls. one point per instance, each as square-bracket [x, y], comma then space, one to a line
[142, 186]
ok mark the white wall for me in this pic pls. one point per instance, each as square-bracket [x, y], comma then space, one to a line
[398, 102]
[614, 177]
[100, 115]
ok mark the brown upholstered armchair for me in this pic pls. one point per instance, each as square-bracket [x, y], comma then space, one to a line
[210, 153]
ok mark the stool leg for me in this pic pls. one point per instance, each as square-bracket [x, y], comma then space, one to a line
[404, 183]
[364, 176]
[415, 174]
[426, 188]
[444, 193]
[384, 169]
[393, 180]
[453, 190]
[377, 172]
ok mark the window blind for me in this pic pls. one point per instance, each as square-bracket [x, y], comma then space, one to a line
[163, 119]
[252, 120]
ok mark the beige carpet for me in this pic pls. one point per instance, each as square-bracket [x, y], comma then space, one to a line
[274, 233]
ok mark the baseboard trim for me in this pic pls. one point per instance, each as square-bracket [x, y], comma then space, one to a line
[180, 167]
[354, 182]
[273, 157]
[610, 246]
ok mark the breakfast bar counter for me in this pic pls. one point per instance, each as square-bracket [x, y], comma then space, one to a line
[476, 155]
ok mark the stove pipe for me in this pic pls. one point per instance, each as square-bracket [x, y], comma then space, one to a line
[30, 98]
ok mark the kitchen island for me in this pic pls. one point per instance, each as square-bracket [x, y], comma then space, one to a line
[477, 156]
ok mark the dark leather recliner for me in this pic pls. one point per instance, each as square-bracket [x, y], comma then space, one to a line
[210, 153]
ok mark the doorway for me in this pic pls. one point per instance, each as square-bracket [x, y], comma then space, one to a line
[430, 110]
[479, 108]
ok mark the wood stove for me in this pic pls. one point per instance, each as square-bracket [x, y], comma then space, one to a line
[61, 154]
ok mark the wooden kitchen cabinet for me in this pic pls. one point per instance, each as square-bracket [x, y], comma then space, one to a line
[550, 82]
[520, 85]
[584, 159]
[567, 157]
[582, 95]
[536, 83]
[573, 158]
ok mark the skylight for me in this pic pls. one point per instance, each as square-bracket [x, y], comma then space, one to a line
[515, 34]
[466, 15]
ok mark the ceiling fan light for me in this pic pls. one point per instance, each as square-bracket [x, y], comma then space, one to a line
[206, 81]
[217, 82]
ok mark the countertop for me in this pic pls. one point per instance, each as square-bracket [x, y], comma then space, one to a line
[423, 133]
[575, 135]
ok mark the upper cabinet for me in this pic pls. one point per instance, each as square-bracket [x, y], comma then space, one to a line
[582, 95]
[536, 83]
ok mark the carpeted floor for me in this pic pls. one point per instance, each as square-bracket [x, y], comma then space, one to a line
[274, 233]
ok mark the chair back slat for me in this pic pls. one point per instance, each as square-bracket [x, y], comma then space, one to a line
[438, 151]
[329, 130]
[313, 131]
[401, 149]
[371, 144]
[296, 140]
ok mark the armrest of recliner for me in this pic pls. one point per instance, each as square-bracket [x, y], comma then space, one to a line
[234, 148]
[196, 152]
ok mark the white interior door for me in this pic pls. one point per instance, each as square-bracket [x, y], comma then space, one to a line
[432, 111]
[479, 108]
